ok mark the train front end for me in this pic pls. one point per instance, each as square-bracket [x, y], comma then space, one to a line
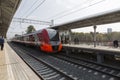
[53, 43]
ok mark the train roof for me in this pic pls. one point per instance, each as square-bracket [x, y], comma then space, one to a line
[35, 32]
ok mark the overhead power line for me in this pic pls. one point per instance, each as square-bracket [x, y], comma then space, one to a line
[35, 8]
[68, 10]
[23, 20]
[78, 10]
[30, 7]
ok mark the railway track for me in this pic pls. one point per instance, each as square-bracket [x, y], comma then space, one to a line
[102, 68]
[71, 67]
[43, 69]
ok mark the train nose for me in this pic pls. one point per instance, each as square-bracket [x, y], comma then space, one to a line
[46, 48]
[55, 48]
[51, 48]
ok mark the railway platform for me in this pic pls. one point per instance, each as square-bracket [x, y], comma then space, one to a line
[12, 67]
[106, 48]
[100, 51]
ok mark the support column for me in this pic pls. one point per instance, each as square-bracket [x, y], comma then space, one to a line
[1, 29]
[0, 16]
[52, 23]
[100, 58]
[95, 35]
[70, 36]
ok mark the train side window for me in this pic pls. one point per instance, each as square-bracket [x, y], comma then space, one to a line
[39, 36]
[25, 38]
[31, 38]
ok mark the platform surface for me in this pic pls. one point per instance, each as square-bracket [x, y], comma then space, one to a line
[12, 67]
[105, 48]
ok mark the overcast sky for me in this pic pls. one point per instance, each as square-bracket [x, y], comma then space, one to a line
[62, 11]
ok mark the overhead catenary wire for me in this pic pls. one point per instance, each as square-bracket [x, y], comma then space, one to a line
[59, 17]
[22, 7]
[31, 7]
[32, 11]
[78, 10]
[69, 9]
[35, 8]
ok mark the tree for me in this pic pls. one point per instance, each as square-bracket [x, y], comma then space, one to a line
[30, 29]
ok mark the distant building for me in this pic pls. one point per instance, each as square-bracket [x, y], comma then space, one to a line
[109, 30]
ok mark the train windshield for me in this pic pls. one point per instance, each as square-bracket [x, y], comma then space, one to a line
[53, 35]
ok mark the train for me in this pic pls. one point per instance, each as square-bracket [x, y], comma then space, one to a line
[46, 40]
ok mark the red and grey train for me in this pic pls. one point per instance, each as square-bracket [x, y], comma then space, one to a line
[46, 40]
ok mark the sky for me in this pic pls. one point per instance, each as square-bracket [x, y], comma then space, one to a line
[62, 11]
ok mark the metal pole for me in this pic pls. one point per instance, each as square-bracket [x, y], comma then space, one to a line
[52, 23]
[70, 33]
[95, 35]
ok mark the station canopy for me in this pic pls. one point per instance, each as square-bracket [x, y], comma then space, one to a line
[96, 19]
[7, 10]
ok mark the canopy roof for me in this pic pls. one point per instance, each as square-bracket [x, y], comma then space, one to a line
[96, 19]
[7, 10]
